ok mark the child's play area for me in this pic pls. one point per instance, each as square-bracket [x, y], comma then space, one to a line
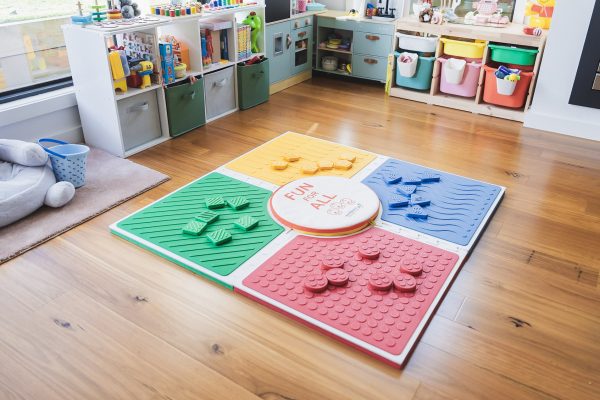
[300, 199]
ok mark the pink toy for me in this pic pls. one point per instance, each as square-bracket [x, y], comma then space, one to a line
[379, 297]
[485, 9]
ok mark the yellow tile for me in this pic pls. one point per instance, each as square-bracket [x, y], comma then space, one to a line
[347, 156]
[343, 164]
[324, 165]
[279, 165]
[256, 163]
[309, 167]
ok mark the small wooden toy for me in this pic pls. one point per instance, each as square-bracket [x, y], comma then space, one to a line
[98, 13]
[81, 19]
[118, 73]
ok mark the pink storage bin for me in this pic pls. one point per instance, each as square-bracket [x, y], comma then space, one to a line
[467, 86]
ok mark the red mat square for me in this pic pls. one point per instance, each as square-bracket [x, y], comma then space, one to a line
[384, 319]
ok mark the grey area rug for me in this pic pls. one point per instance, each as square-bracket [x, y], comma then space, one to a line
[110, 181]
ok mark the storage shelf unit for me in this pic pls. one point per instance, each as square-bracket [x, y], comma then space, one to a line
[106, 117]
[511, 35]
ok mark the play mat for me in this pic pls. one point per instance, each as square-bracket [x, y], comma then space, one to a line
[354, 244]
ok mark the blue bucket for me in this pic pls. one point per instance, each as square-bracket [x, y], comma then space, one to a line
[68, 161]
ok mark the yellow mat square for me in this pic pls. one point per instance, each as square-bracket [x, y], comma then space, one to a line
[258, 162]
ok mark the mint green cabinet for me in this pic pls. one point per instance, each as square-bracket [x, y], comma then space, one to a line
[372, 42]
[289, 48]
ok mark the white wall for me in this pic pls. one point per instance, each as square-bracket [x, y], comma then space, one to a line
[551, 110]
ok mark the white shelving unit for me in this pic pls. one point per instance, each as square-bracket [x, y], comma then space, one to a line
[105, 114]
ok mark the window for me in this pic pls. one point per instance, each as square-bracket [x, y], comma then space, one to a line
[33, 56]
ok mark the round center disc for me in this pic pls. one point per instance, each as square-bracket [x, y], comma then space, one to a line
[325, 205]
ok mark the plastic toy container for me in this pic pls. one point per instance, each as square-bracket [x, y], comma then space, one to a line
[459, 77]
[491, 92]
[462, 48]
[421, 80]
[68, 160]
[253, 84]
[407, 64]
[512, 55]
[417, 43]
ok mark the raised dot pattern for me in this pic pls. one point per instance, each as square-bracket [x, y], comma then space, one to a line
[383, 318]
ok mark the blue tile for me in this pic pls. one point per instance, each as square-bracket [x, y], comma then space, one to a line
[457, 206]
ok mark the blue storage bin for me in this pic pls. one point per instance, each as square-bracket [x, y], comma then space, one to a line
[422, 77]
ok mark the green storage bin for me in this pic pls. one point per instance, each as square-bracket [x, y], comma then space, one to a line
[512, 55]
[253, 84]
[421, 80]
[185, 106]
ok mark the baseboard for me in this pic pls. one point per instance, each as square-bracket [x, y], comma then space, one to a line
[294, 80]
[570, 127]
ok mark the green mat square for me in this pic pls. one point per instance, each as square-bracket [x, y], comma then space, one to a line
[161, 223]
[194, 228]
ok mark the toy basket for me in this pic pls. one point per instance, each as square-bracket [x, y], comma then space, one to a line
[407, 69]
[68, 160]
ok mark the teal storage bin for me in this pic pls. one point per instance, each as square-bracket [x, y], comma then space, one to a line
[253, 84]
[185, 106]
[421, 80]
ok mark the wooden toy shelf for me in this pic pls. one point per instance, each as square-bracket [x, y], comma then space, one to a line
[511, 35]
[107, 118]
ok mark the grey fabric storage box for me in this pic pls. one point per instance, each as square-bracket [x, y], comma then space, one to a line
[220, 92]
[140, 121]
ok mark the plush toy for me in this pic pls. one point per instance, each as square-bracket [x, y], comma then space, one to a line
[129, 9]
[255, 24]
[27, 181]
[540, 13]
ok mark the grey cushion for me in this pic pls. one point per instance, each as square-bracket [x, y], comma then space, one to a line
[22, 190]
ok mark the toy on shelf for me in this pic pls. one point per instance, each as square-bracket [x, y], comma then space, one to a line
[118, 71]
[144, 70]
[99, 12]
[81, 19]
[129, 9]
[177, 9]
[167, 62]
[487, 12]
[207, 47]
[244, 42]
[255, 24]
[539, 14]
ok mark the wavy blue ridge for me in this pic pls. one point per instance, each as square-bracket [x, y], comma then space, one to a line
[458, 204]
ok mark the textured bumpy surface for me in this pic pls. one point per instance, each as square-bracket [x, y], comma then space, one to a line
[300, 276]
[446, 206]
[161, 223]
[259, 163]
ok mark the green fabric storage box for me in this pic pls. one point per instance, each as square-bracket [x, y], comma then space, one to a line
[185, 106]
[253, 84]
[421, 80]
[512, 55]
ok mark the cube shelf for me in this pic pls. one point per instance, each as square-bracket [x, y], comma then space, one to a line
[132, 119]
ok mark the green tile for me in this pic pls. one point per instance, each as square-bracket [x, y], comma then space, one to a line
[207, 216]
[194, 228]
[237, 203]
[215, 202]
[246, 223]
[160, 224]
[219, 237]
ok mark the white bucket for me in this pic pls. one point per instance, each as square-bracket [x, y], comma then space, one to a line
[408, 69]
[454, 70]
[505, 87]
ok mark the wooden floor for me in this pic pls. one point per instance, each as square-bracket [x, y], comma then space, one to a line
[89, 316]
